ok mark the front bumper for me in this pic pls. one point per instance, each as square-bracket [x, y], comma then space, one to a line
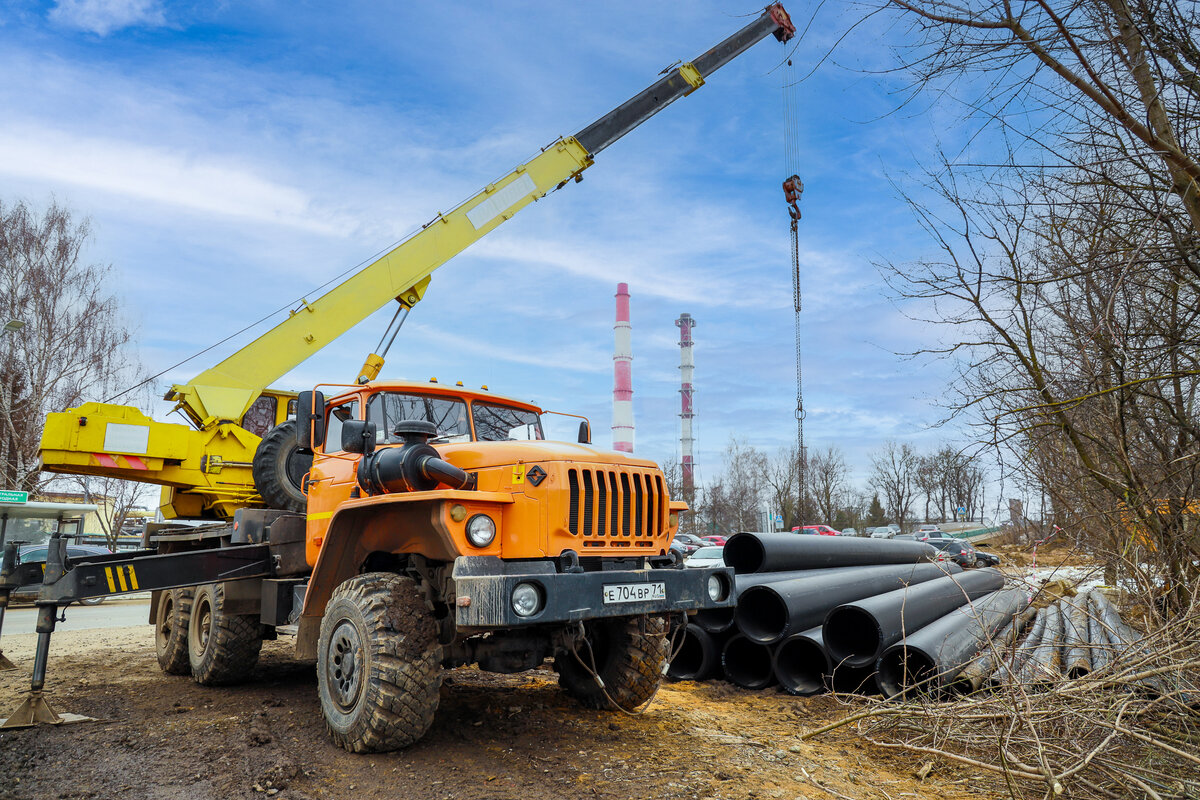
[484, 586]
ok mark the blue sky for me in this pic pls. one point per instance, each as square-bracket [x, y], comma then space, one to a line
[233, 156]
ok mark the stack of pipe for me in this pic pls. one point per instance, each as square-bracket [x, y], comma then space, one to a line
[1068, 639]
[786, 585]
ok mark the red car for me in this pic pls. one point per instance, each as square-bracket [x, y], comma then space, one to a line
[716, 541]
[819, 530]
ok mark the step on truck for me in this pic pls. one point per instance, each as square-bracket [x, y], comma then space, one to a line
[441, 530]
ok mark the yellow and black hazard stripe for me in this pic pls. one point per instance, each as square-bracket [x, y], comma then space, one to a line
[123, 576]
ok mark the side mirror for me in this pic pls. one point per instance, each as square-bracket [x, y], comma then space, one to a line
[585, 432]
[310, 420]
[358, 436]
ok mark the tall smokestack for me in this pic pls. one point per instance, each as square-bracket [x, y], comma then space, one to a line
[622, 426]
[686, 367]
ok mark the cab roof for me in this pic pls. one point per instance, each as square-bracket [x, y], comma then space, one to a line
[431, 388]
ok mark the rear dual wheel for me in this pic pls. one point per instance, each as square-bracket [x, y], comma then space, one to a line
[222, 648]
[171, 630]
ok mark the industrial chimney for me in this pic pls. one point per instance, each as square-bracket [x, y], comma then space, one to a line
[622, 426]
[686, 367]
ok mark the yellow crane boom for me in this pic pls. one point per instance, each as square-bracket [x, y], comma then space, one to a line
[207, 471]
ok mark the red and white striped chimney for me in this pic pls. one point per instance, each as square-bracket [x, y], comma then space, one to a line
[622, 425]
[686, 367]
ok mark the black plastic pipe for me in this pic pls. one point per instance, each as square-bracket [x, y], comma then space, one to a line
[771, 612]
[929, 659]
[699, 656]
[857, 632]
[802, 666]
[719, 620]
[777, 552]
[854, 680]
[747, 663]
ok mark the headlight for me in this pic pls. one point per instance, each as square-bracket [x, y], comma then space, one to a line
[526, 599]
[716, 588]
[481, 530]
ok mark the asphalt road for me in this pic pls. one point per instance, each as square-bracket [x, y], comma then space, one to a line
[109, 614]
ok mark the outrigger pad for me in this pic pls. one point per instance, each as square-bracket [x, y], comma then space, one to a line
[5, 664]
[34, 710]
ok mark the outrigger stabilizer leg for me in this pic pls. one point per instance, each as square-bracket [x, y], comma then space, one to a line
[35, 709]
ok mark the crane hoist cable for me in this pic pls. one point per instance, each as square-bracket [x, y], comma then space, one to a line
[793, 188]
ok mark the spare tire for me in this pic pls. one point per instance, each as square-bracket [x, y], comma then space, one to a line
[279, 467]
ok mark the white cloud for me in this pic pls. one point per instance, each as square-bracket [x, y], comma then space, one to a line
[158, 175]
[102, 17]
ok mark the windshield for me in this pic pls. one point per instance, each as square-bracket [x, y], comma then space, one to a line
[449, 414]
[495, 423]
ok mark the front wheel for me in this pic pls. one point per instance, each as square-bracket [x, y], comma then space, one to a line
[628, 655]
[378, 664]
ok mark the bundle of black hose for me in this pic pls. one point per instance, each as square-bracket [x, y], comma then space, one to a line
[930, 659]
[699, 656]
[857, 632]
[777, 552]
[748, 664]
[802, 666]
[719, 620]
[770, 612]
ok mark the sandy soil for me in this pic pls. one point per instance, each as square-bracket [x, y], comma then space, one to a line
[495, 738]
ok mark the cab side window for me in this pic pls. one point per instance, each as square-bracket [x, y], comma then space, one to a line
[333, 426]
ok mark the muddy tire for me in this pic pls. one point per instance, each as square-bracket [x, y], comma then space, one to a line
[171, 631]
[279, 467]
[378, 664]
[629, 662]
[222, 647]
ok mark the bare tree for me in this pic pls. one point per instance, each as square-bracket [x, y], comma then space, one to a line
[828, 483]
[117, 499]
[782, 484]
[74, 345]
[894, 477]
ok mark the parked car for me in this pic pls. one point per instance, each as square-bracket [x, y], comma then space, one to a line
[882, 533]
[706, 557]
[985, 559]
[819, 530]
[893, 527]
[960, 553]
[929, 528]
[690, 543]
[848, 532]
[36, 554]
[715, 540]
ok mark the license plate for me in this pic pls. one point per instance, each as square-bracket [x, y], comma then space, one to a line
[634, 592]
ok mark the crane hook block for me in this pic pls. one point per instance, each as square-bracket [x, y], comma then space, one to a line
[793, 187]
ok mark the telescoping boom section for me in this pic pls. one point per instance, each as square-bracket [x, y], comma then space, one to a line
[207, 468]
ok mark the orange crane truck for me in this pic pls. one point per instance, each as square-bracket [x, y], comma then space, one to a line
[393, 528]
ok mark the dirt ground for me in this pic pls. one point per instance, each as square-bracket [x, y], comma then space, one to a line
[495, 738]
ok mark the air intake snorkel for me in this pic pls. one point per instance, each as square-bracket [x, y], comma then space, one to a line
[414, 466]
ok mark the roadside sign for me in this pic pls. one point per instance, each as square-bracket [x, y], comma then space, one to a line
[8, 496]
[962, 510]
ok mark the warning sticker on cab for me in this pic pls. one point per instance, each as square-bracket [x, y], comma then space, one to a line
[634, 592]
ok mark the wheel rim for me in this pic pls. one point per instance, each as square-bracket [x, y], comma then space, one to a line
[164, 621]
[344, 665]
[204, 623]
